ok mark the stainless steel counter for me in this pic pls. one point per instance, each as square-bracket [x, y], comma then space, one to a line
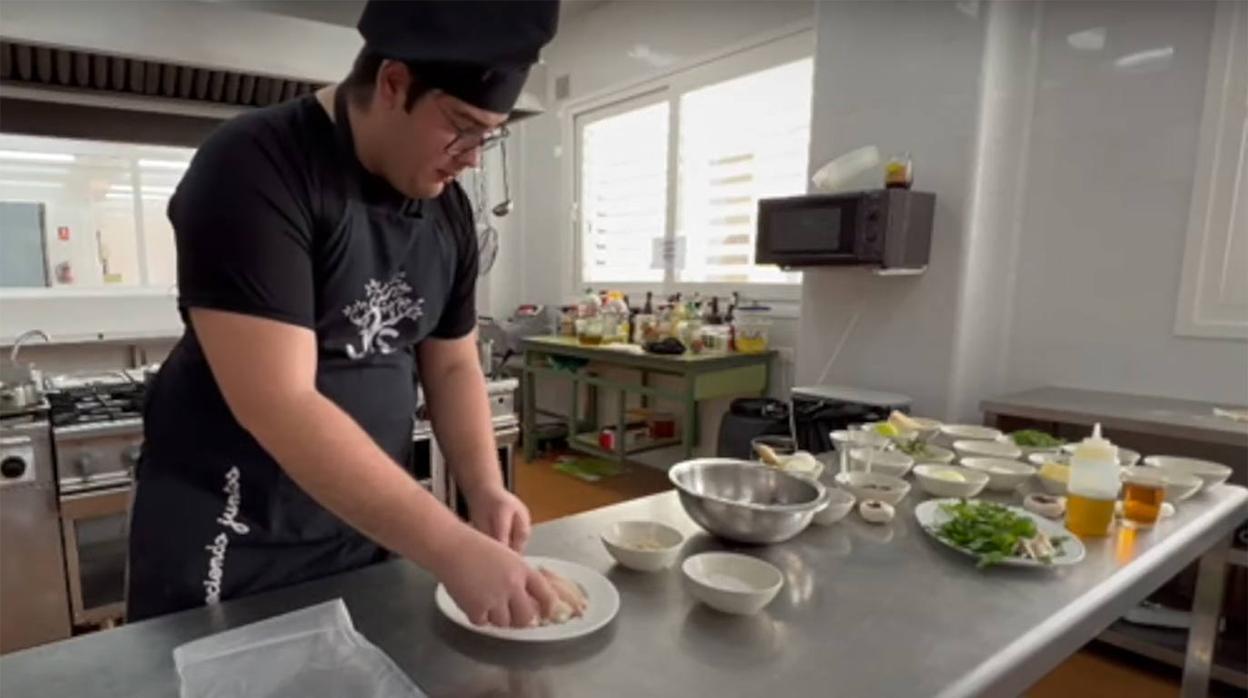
[865, 611]
[1162, 416]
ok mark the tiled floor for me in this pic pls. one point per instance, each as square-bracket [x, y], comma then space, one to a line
[1091, 672]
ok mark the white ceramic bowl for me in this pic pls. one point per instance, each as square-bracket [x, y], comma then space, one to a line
[885, 462]
[1213, 474]
[732, 583]
[1003, 475]
[987, 449]
[1028, 450]
[973, 480]
[840, 503]
[926, 428]
[646, 546]
[960, 432]
[932, 454]
[864, 486]
[1126, 457]
[844, 438]
[1051, 485]
[1178, 485]
[1039, 459]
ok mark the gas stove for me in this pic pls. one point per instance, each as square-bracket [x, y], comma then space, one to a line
[90, 398]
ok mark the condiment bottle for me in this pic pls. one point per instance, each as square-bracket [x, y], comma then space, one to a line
[1094, 485]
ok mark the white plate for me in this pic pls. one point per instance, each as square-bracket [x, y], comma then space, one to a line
[931, 517]
[604, 603]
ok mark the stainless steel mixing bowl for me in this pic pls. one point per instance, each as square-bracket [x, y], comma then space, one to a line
[744, 501]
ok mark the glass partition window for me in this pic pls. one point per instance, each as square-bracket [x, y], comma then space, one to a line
[86, 214]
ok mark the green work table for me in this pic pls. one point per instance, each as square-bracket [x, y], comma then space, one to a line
[700, 377]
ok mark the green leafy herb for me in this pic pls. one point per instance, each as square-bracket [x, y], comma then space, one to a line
[993, 533]
[1034, 438]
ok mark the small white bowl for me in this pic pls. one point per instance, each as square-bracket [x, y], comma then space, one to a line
[1126, 457]
[1213, 474]
[987, 449]
[844, 438]
[839, 504]
[1028, 450]
[1051, 485]
[732, 583]
[933, 454]
[973, 480]
[958, 432]
[890, 463]
[1039, 459]
[926, 428]
[1178, 485]
[1003, 475]
[864, 486]
[645, 546]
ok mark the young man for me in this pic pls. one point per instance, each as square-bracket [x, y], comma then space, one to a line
[325, 253]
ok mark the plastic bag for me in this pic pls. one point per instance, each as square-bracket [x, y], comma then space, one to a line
[311, 653]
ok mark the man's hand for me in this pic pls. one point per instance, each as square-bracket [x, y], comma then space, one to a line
[500, 515]
[493, 584]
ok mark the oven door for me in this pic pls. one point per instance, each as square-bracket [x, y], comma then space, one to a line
[809, 230]
[95, 525]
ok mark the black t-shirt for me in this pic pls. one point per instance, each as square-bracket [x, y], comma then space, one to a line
[276, 218]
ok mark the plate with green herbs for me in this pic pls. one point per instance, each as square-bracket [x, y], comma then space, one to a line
[997, 534]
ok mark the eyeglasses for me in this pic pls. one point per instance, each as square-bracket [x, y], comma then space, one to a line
[466, 141]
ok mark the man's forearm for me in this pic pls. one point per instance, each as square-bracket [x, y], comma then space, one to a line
[335, 461]
[462, 423]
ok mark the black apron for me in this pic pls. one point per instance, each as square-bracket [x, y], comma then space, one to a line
[214, 517]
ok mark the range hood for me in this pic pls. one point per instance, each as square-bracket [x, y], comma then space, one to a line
[202, 58]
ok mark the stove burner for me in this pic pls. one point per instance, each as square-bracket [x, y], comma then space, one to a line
[90, 398]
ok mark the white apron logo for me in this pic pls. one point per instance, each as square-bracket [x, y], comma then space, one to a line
[384, 306]
[221, 543]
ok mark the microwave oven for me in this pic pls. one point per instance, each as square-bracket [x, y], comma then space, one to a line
[890, 228]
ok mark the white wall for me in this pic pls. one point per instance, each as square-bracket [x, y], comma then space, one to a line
[1063, 185]
[1109, 186]
[902, 76]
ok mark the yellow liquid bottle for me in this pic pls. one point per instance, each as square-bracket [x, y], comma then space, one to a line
[1093, 487]
[1089, 517]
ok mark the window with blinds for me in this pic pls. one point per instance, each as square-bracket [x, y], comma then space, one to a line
[623, 194]
[653, 208]
[740, 140]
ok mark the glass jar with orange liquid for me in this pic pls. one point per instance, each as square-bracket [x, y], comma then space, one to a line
[1142, 497]
[1093, 488]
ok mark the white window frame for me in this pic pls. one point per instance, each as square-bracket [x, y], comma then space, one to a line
[762, 52]
[1220, 182]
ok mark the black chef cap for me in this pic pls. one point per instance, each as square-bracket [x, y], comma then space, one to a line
[478, 51]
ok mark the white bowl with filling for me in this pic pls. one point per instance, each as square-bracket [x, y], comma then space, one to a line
[732, 583]
[645, 546]
[873, 460]
[1126, 457]
[864, 486]
[987, 449]
[923, 452]
[1213, 474]
[973, 432]
[1178, 485]
[941, 480]
[1003, 475]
